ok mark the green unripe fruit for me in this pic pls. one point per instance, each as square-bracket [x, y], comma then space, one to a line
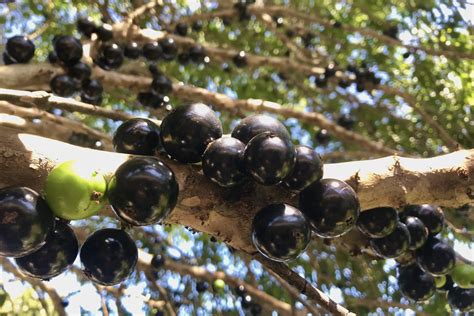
[218, 285]
[75, 190]
[463, 275]
[440, 281]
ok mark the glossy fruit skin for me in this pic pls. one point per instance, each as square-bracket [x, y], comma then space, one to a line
[280, 232]
[55, 257]
[346, 121]
[394, 244]
[240, 290]
[187, 130]
[269, 159]
[181, 29]
[91, 100]
[222, 162]
[52, 57]
[25, 221]
[169, 48]
[105, 32]
[240, 60]
[415, 284]
[201, 286]
[79, 71]
[323, 137]
[111, 56]
[108, 256]
[331, 207]
[161, 84]
[7, 60]
[197, 26]
[247, 302]
[75, 190]
[132, 50]
[418, 232]
[92, 88]
[86, 26]
[431, 215]
[63, 85]
[461, 299]
[143, 191]
[68, 49]
[378, 222]
[152, 51]
[138, 136]
[152, 99]
[436, 257]
[308, 169]
[197, 54]
[463, 275]
[20, 48]
[253, 125]
[158, 261]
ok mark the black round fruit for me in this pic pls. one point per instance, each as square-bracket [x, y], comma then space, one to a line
[108, 256]
[197, 26]
[201, 286]
[54, 257]
[269, 159]
[253, 125]
[132, 50]
[393, 245]
[91, 100]
[161, 84]
[92, 88]
[20, 48]
[152, 100]
[431, 215]
[247, 302]
[7, 60]
[187, 130]
[86, 26]
[105, 32]
[436, 257]
[183, 58]
[256, 309]
[138, 136]
[169, 48]
[143, 191]
[308, 169]
[52, 57]
[378, 222]
[418, 232]
[111, 56]
[346, 121]
[240, 60]
[79, 71]
[197, 54]
[63, 85]
[323, 137]
[240, 290]
[222, 162]
[158, 261]
[461, 299]
[68, 49]
[331, 206]
[280, 232]
[181, 29]
[25, 221]
[416, 284]
[152, 51]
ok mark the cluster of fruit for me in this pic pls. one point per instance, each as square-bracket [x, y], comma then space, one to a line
[425, 260]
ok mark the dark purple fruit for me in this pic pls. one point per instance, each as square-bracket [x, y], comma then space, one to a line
[187, 130]
[197, 26]
[181, 29]
[143, 191]
[393, 245]
[247, 302]
[55, 257]
[111, 55]
[269, 159]
[138, 136]
[68, 49]
[256, 309]
[152, 100]
[25, 221]
[197, 54]
[280, 232]
[92, 88]
[152, 51]
[415, 284]
[240, 290]
[161, 84]
[7, 60]
[183, 58]
[132, 50]
[346, 121]
[79, 71]
[323, 137]
[461, 299]
[53, 58]
[436, 257]
[240, 60]
[222, 161]
[63, 85]
[378, 222]
[20, 48]
[91, 100]
[201, 286]
[108, 256]
[418, 232]
[331, 206]
[431, 215]
[105, 32]
[158, 261]
[308, 169]
[86, 26]
[169, 48]
[251, 126]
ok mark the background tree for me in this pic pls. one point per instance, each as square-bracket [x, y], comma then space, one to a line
[355, 80]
